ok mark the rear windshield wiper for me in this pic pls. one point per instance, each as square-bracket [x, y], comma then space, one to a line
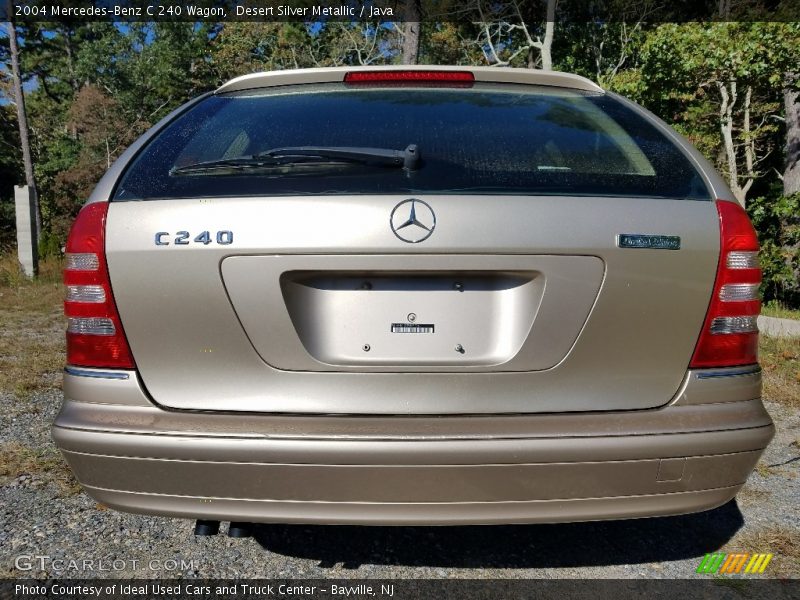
[309, 156]
[408, 158]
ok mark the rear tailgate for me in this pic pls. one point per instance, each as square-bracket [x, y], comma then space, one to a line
[515, 304]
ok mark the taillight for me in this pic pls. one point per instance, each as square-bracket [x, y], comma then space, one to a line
[94, 332]
[451, 78]
[730, 332]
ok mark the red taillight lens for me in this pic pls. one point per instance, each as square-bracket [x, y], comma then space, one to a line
[455, 78]
[730, 333]
[94, 332]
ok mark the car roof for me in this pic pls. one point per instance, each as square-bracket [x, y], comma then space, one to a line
[337, 74]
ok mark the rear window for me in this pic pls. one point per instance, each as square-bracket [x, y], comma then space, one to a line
[489, 138]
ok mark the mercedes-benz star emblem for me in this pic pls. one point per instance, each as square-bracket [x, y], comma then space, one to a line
[413, 221]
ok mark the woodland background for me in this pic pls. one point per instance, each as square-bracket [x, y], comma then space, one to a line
[91, 88]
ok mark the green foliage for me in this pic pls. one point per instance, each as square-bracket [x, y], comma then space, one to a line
[50, 245]
[247, 47]
[7, 223]
[607, 52]
[10, 173]
[443, 44]
[704, 77]
[777, 309]
[164, 65]
[777, 221]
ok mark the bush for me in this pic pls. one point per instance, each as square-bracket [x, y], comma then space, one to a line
[777, 222]
[49, 245]
[8, 224]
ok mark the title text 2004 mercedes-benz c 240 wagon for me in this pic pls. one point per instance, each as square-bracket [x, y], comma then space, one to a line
[432, 295]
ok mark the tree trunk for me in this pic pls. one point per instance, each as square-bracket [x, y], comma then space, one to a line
[531, 58]
[728, 96]
[22, 117]
[73, 78]
[411, 30]
[547, 43]
[791, 101]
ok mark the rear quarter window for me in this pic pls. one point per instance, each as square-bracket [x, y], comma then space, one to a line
[499, 139]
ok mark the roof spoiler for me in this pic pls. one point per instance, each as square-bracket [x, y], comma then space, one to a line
[337, 74]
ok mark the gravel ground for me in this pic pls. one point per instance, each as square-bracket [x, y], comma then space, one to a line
[40, 516]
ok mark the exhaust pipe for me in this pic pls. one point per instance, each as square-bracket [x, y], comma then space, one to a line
[202, 527]
[240, 530]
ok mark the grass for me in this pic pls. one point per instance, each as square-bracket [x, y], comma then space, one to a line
[47, 464]
[11, 275]
[31, 328]
[752, 496]
[784, 543]
[776, 309]
[780, 360]
[763, 469]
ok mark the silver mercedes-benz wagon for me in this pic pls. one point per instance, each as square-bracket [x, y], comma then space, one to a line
[412, 295]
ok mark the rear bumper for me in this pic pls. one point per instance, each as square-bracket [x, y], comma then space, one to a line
[685, 457]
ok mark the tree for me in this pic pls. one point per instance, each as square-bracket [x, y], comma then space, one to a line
[64, 55]
[10, 167]
[449, 43]
[341, 43]
[159, 66]
[605, 51]
[22, 119]
[789, 53]
[248, 47]
[719, 77]
[103, 133]
[411, 33]
[507, 35]
[791, 103]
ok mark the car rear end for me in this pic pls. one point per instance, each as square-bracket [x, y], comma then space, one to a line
[547, 313]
